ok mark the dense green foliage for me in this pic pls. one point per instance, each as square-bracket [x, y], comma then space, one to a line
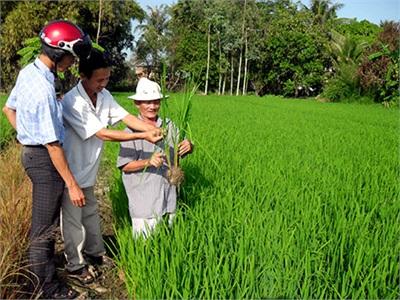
[379, 70]
[24, 20]
[282, 199]
[362, 31]
[277, 47]
[365, 69]
[295, 49]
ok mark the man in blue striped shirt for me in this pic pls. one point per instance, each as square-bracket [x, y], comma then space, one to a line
[34, 111]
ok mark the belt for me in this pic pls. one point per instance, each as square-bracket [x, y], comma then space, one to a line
[34, 146]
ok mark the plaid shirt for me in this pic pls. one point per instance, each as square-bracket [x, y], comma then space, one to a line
[39, 114]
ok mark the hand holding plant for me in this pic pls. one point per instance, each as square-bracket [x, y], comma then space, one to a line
[185, 147]
[157, 159]
[153, 136]
[181, 117]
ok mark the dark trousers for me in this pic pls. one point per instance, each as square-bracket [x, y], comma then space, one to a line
[47, 191]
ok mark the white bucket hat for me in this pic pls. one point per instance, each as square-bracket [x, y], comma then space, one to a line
[147, 90]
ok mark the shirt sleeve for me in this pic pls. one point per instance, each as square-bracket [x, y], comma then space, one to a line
[127, 152]
[116, 112]
[80, 116]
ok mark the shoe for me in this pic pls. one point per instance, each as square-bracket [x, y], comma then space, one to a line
[99, 260]
[63, 292]
[94, 260]
[82, 275]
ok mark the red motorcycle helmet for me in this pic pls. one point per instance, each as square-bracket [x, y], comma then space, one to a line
[60, 37]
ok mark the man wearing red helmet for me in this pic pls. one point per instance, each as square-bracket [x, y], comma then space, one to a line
[34, 111]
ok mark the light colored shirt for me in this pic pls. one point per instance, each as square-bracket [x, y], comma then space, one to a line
[38, 113]
[149, 192]
[82, 121]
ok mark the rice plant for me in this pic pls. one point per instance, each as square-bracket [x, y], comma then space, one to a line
[301, 201]
[180, 116]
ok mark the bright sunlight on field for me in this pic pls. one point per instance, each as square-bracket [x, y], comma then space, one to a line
[282, 199]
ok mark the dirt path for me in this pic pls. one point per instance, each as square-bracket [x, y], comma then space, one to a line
[109, 284]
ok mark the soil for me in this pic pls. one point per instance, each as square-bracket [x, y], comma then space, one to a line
[109, 283]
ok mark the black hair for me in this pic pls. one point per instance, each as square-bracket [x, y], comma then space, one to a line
[96, 60]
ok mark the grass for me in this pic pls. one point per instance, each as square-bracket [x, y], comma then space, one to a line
[15, 218]
[7, 133]
[282, 199]
[300, 200]
[15, 213]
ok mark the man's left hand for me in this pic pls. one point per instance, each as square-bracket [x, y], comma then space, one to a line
[185, 147]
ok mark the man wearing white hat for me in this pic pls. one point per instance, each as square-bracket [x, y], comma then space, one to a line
[150, 194]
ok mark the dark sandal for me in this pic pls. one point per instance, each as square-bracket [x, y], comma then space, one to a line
[94, 260]
[64, 292]
[82, 275]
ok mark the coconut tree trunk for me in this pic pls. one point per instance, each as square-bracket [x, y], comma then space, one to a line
[99, 21]
[241, 48]
[219, 83]
[208, 57]
[245, 65]
[239, 71]
[220, 65]
[231, 74]
[224, 84]
[247, 77]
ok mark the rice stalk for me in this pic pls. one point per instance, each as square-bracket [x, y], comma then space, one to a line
[180, 117]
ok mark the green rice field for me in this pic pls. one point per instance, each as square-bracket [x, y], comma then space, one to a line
[282, 199]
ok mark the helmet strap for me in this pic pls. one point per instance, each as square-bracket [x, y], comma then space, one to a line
[58, 86]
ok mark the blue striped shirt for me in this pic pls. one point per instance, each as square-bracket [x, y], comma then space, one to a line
[38, 113]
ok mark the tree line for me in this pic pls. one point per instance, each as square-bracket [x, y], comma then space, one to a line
[232, 47]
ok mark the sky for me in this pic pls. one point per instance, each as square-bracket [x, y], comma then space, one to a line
[374, 11]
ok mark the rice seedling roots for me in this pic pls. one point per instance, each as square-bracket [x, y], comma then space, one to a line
[175, 176]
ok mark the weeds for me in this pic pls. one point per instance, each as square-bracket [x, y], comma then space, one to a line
[15, 218]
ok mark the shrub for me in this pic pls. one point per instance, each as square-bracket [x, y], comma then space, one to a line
[379, 70]
[344, 86]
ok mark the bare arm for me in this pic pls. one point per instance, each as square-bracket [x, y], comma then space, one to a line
[60, 163]
[134, 123]
[156, 161]
[136, 165]
[120, 136]
[11, 115]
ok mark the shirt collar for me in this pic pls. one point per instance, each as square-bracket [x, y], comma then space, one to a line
[44, 70]
[82, 91]
[84, 95]
[158, 122]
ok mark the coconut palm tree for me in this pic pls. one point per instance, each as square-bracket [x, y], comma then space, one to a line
[324, 10]
[152, 42]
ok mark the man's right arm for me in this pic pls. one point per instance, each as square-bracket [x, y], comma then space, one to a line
[156, 160]
[60, 163]
[11, 115]
[105, 134]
